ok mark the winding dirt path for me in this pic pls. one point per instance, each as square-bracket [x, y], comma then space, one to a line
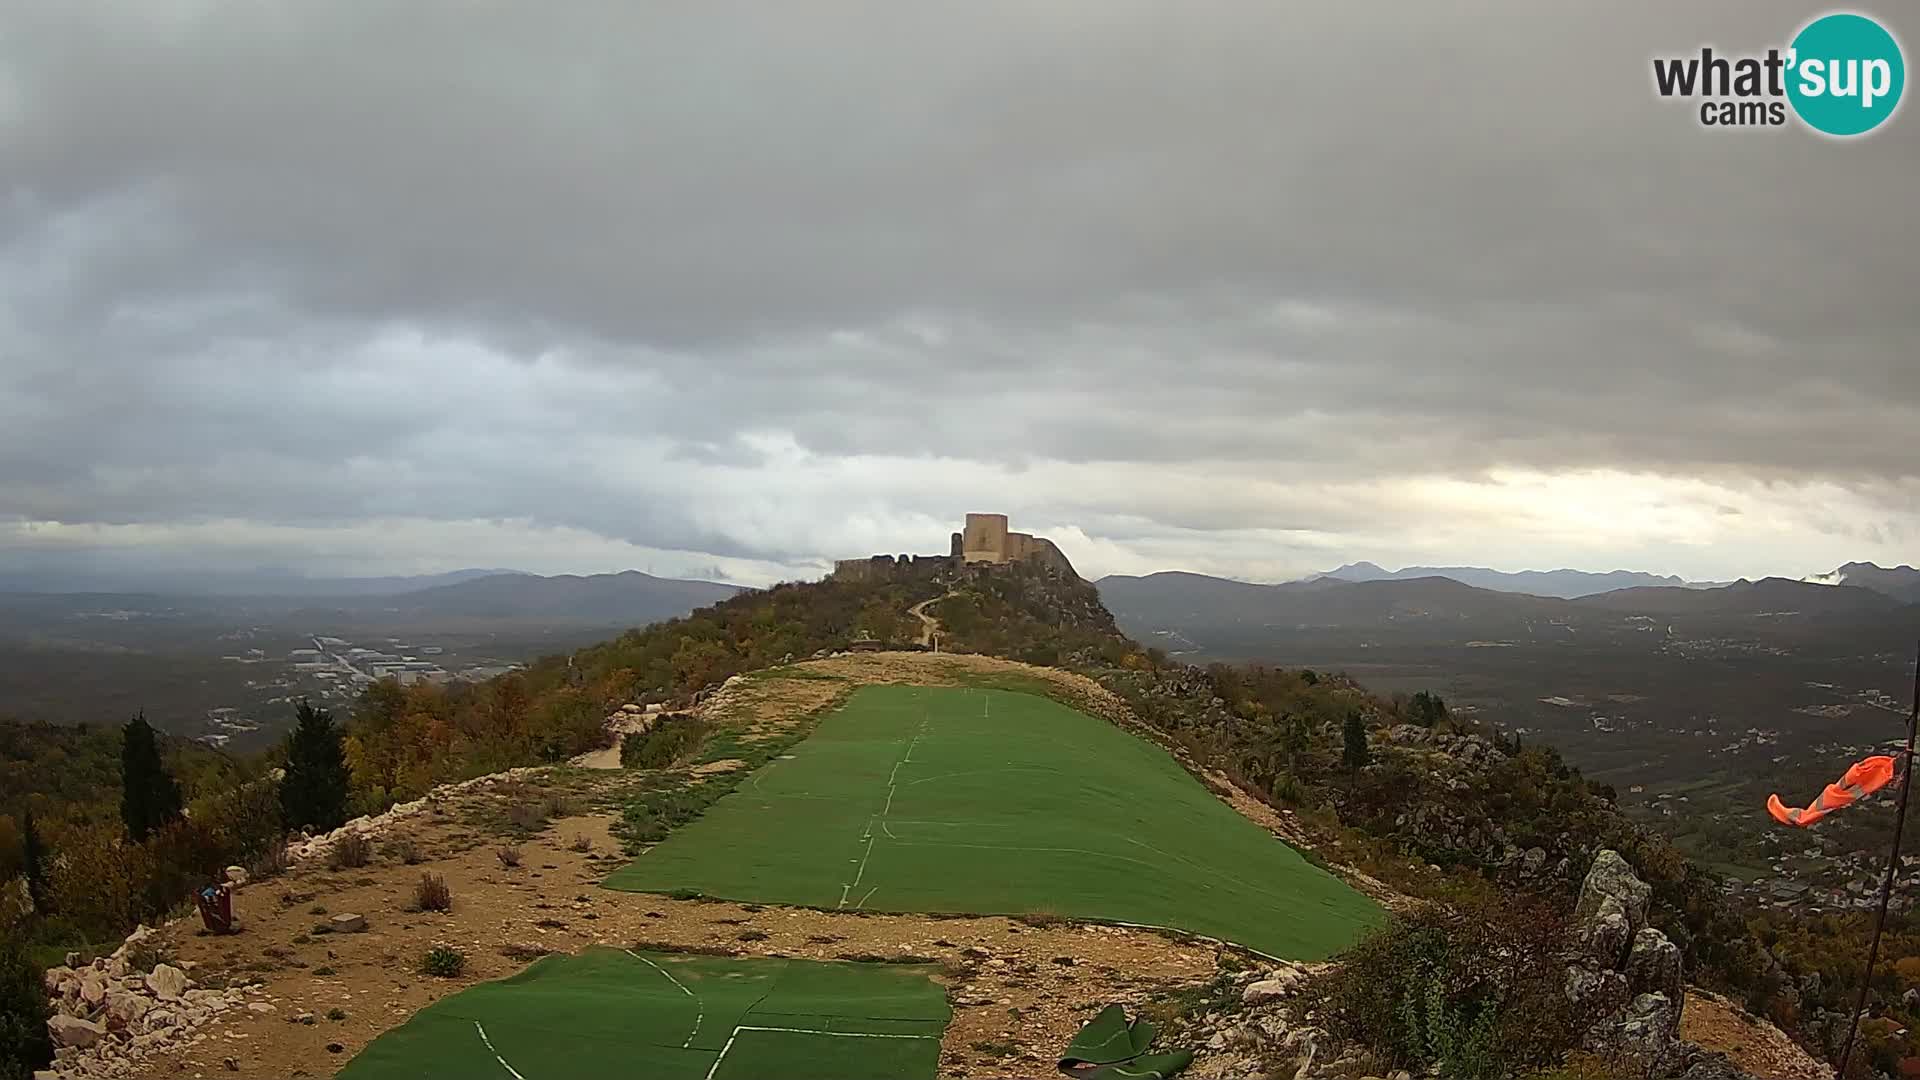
[929, 625]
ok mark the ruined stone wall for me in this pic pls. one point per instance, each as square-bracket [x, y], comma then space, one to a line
[884, 567]
[872, 569]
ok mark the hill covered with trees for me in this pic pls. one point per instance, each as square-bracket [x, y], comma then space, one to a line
[1433, 805]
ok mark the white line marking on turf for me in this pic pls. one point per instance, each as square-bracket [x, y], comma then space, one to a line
[976, 772]
[511, 1071]
[836, 1034]
[799, 1031]
[863, 862]
[699, 1006]
[867, 834]
[864, 899]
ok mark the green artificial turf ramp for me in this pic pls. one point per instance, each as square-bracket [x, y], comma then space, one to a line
[614, 1014]
[929, 799]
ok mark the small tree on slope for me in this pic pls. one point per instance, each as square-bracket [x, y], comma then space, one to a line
[149, 797]
[313, 795]
[1355, 755]
[33, 858]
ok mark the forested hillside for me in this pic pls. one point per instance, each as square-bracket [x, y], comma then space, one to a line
[1400, 789]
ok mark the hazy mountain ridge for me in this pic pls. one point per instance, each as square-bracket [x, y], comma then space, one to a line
[630, 596]
[264, 581]
[1900, 582]
[1160, 601]
[1563, 583]
[1768, 596]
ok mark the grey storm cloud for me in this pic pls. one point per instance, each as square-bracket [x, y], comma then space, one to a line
[1204, 282]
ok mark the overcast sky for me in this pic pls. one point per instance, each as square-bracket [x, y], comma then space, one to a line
[713, 289]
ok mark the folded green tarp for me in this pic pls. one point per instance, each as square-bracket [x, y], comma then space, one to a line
[1112, 1048]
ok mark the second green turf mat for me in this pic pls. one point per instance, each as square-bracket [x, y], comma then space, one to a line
[613, 1015]
[990, 802]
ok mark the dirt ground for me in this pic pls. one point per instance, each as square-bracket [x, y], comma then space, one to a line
[1019, 991]
[1759, 1048]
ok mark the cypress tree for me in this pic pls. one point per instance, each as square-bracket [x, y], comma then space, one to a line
[1355, 755]
[149, 797]
[313, 794]
[34, 856]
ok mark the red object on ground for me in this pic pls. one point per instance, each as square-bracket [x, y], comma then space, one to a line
[216, 908]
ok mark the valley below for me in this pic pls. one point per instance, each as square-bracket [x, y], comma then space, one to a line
[1692, 708]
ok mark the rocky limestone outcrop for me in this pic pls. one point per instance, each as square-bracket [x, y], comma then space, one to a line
[1611, 878]
[1266, 1036]
[1625, 971]
[374, 826]
[108, 1016]
[1471, 750]
[1619, 969]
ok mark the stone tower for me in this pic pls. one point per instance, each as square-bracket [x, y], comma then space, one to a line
[984, 539]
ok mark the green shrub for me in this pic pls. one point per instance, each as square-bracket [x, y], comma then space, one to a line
[654, 814]
[403, 849]
[350, 852]
[443, 962]
[1468, 992]
[24, 1045]
[270, 863]
[149, 954]
[666, 745]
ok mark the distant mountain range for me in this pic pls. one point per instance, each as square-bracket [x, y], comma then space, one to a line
[1900, 582]
[629, 598]
[1183, 601]
[263, 581]
[1565, 584]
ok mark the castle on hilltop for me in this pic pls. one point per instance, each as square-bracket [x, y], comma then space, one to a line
[984, 542]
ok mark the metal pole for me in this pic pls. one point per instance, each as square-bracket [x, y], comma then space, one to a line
[1893, 867]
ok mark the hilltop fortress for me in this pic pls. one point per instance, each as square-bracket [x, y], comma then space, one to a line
[983, 542]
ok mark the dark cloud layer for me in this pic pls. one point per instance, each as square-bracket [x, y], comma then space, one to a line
[1239, 286]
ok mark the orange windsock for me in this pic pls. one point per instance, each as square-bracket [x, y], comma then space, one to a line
[1865, 777]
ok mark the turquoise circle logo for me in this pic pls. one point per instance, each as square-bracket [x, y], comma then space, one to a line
[1846, 74]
